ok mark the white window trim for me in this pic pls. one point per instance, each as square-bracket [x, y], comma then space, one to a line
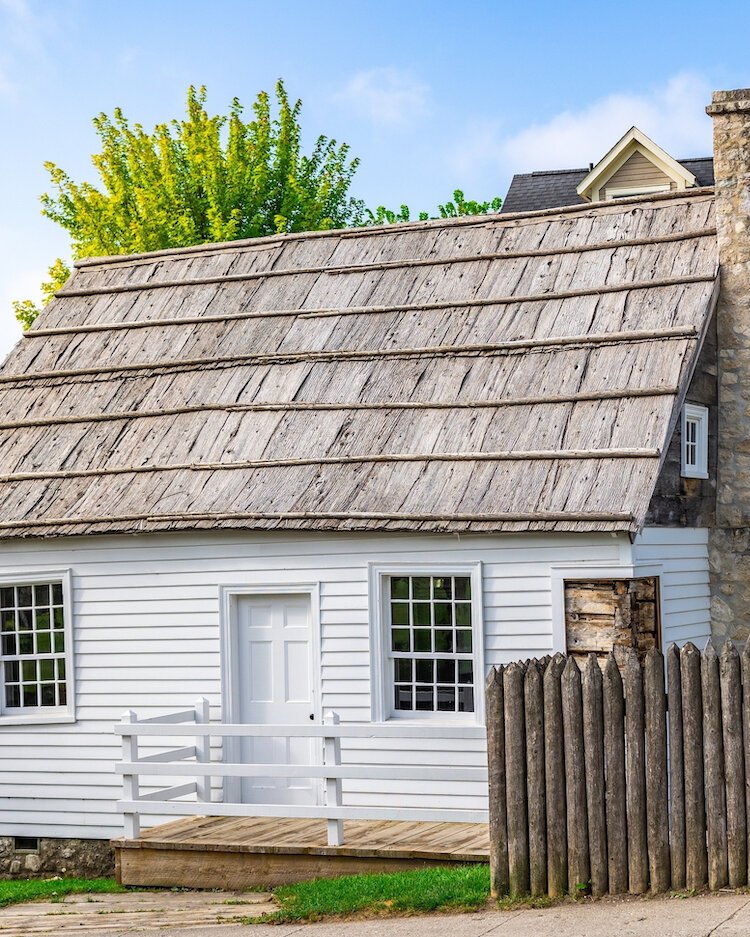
[612, 193]
[58, 714]
[380, 687]
[692, 411]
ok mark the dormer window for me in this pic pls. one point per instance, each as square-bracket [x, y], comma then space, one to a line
[634, 166]
[694, 441]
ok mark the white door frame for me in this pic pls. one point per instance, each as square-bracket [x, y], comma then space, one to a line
[228, 627]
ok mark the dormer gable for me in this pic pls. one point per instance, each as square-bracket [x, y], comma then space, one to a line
[634, 166]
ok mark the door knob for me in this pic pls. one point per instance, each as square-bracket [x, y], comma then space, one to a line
[312, 717]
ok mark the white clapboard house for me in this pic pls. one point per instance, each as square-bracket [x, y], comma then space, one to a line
[344, 472]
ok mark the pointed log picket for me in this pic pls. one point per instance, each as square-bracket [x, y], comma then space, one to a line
[713, 761]
[515, 780]
[614, 765]
[579, 868]
[535, 786]
[613, 779]
[676, 769]
[498, 822]
[730, 676]
[554, 776]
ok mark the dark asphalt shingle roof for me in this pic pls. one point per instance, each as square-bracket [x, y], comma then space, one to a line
[540, 191]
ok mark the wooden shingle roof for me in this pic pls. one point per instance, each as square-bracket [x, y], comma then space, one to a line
[514, 372]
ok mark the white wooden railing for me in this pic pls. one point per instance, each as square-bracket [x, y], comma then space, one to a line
[194, 762]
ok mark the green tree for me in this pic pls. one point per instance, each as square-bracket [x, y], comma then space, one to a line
[459, 207]
[206, 179]
[25, 310]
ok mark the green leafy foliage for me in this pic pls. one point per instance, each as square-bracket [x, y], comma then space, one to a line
[209, 179]
[205, 178]
[457, 208]
[25, 310]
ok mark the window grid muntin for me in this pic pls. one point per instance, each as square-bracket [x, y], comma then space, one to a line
[692, 429]
[33, 646]
[438, 678]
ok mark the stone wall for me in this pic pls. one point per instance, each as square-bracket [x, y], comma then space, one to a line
[729, 543]
[84, 858]
[690, 502]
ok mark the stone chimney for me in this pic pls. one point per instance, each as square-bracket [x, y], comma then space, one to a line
[730, 539]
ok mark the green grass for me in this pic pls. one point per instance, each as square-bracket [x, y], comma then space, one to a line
[456, 888]
[54, 889]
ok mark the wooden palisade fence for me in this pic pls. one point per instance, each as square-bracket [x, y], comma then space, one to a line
[613, 778]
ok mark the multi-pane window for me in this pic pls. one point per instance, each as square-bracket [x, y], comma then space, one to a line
[694, 441]
[431, 643]
[32, 641]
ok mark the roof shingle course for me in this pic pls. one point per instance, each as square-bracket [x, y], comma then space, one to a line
[503, 373]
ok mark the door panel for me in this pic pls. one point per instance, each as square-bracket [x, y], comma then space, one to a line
[275, 687]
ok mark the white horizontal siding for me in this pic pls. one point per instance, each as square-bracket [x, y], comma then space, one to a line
[146, 623]
[682, 554]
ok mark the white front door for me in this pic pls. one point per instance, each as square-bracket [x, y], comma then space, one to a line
[275, 686]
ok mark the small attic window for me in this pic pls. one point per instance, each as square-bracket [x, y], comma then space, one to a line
[694, 441]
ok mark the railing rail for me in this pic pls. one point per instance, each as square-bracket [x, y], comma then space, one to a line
[194, 762]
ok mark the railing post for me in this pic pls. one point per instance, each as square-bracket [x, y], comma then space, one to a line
[332, 756]
[203, 749]
[130, 781]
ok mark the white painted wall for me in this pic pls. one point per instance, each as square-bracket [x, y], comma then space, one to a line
[146, 623]
[681, 557]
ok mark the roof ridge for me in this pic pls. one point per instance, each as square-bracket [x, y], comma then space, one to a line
[399, 228]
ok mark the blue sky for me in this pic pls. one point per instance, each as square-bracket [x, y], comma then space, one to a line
[431, 95]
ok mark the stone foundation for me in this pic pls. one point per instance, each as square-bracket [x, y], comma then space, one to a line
[78, 858]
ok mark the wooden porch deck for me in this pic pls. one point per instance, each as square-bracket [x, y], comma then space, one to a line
[231, 852]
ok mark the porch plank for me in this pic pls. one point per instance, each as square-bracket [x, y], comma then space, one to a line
[242, 851]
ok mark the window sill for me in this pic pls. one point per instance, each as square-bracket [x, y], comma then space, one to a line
[37, 719]
[435, 719]
[686, 474]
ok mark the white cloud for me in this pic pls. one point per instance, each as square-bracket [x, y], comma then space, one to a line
[386, 95]
[672, 115]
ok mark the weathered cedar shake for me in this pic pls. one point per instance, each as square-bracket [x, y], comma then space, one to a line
[729, 544]
[495, 373]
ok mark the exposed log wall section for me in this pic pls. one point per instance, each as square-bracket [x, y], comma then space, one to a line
[606, 615]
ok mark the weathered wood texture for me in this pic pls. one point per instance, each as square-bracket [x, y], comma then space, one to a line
[177, 390]
[579, 866]
[734, 764]
[676, 769]
[713, 759]
[643, 780]
[695, 798]
[535, 780]
[614, 766]
[635, 773]
[657, 783]
[554, 777]
[515, 780]
[593, 744]
[498, 821]
[606, 615]
[231, 852]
